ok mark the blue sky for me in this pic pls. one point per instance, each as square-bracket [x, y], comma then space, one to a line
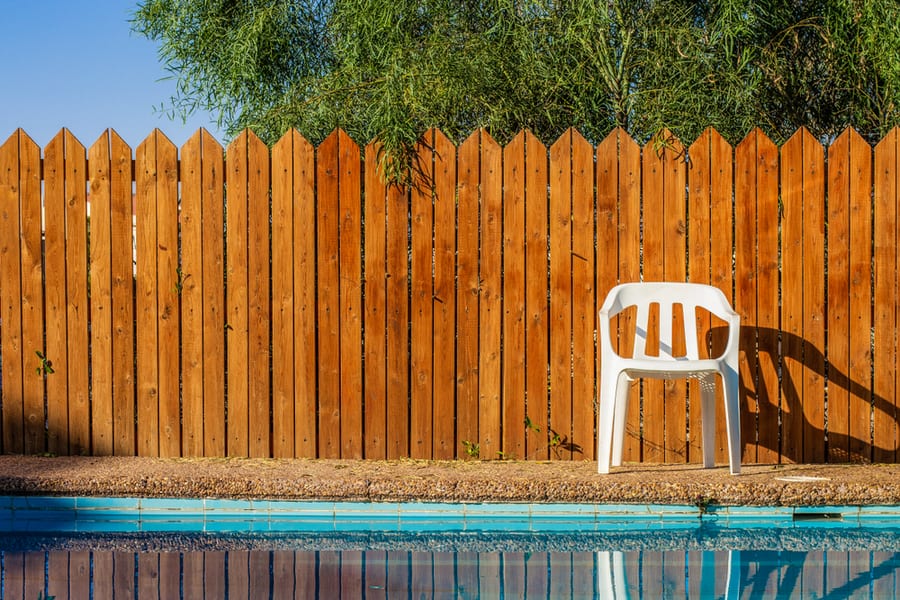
[76, 64]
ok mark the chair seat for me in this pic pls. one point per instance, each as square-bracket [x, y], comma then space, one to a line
[659, 363]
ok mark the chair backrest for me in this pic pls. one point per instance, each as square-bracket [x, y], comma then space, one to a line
[666, 295]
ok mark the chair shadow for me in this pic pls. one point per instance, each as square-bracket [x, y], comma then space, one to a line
[776, 347]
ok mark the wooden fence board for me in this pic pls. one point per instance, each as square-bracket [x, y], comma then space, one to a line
[122, 250]
[305, 319]
[813, 297]
[537, 321]
[561, 280]
[767, 300]
[422, 304]
[77, 294]
[630, 270]
[328, 290]
[584, 313]
[886, 194]
[607, 233]
[237, 299]
[860, 313]
[746, 285]
[350, 243]
[11, 342]
[444, 300]
[792, 299]
[55, 297]
[467, 309]
[146, 301]
[168, 281]
[375, 400]
[839, 297]
[398, 312]
[675, 269]
[653, 406]
[700, 234]
[490, 299]
[513, 358]
[259, 315]
[215, 316]
[191, 284]
[101, 295]
[32, 293]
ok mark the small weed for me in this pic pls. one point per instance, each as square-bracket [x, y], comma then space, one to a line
[472, 449]
[46, 366]
[180, 278]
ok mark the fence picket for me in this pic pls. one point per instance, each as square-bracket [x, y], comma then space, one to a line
[561, 280]
[700, 235]
[675, 269]
[328, 288]
[55, 297]
[101, 296]
[258, 277]
[839, 297]
[350, 290]
[792, 299]
[513, 358]
[490, 300]
[813, 297]
[467, 309]
[860, 315]
[422, 288]
[630, 270]
[581, 442]
[11, 288]
[304, 274]
[745, 286]
[398, 313]
[884, 352]
[375, 401]
[444, 300]
[237, 298]
[653, 178]
[767, 336]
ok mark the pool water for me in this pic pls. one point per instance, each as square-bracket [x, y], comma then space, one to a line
[700, 563]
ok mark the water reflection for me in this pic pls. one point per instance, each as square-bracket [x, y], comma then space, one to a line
[282, 573]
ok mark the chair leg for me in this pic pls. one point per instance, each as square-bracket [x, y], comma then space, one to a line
[733, 417]
[605, 421]
[623, 389]
[708, 419]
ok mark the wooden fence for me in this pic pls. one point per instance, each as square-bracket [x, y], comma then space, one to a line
[317, 312]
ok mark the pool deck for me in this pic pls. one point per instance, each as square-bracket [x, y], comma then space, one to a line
[449, 481]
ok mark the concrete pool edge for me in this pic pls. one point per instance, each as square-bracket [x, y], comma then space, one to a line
[135, 514]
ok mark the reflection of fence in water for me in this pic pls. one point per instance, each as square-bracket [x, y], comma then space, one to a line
[384, 573]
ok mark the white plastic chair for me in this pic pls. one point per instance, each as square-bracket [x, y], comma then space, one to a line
[617, 371]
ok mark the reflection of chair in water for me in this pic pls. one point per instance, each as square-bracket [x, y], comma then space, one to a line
[612, 580]
[663, 363]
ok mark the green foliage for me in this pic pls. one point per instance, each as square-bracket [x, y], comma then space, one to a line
[46, 365]
[392, 68]
[473, 450]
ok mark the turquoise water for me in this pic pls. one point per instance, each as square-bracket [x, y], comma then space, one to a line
[170, 548]
[654, 564]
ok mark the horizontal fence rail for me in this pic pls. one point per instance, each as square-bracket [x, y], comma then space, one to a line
[286, 302]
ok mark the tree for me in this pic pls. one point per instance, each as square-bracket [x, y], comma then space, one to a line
[391, 68]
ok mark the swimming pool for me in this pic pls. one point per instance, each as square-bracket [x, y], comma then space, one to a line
[100, 548]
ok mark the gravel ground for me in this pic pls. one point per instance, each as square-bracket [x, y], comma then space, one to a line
[451, 481]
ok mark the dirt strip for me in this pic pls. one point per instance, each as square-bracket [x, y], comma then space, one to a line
[449, 481]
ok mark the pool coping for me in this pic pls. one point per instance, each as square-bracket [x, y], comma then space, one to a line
[135, 514]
